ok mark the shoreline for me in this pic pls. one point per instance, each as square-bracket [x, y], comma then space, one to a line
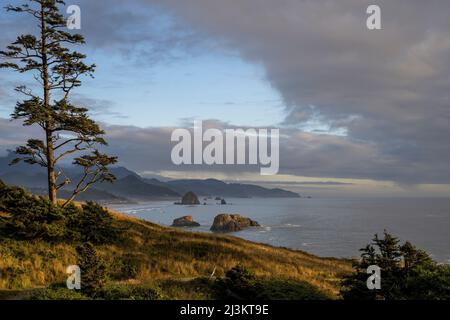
[319, 226]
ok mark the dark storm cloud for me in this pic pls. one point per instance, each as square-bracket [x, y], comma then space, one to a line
[388, 88]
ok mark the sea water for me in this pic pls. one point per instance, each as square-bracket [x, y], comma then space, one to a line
[325, 227]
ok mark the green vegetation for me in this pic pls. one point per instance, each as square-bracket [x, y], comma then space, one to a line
[406, 273]
[126, 258]
[57, 293]
[131, 292]
[241, 284]
[94, 270]
[110, 292]
[49, 56]
[32, 217]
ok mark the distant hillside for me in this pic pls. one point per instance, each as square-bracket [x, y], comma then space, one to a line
[134, 187]
[93, 194]
[130, 186]
[213, 187]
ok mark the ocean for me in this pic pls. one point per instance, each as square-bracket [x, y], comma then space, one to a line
[324, 227]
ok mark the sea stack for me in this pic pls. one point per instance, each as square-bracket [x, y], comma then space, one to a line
[232, 223]
[186, 221]
[190, 198]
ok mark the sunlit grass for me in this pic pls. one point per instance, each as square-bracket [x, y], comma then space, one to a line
[173, 258]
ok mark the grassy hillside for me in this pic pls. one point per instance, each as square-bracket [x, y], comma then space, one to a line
[126, 258]
[176, 261]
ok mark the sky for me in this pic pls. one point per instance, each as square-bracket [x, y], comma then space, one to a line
[361, 112]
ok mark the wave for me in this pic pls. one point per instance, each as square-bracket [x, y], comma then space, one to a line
[145, 210]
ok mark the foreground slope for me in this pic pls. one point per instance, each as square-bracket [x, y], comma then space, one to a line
[168, 257]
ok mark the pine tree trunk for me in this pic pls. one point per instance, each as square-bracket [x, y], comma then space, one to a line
[48, 126]
[51, 169]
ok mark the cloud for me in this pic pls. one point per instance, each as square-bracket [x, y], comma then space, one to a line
[388, 89]
[305, 183]
[141, 34]
[96, 107]
[383, 94]
[145, 35]
[13, 134]
[301, 154]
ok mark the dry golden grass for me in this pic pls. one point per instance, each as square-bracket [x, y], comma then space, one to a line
[167, 254]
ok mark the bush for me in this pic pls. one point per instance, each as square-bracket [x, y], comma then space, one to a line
[6, 193]
[281, 289]
[131, 292]
[10, 195]
[58, 293]
[91, 224]
[127, 266]
[240, 283]
[431, 282]
[406, 273]
[109, 292]
[32, 217]
[93, 270]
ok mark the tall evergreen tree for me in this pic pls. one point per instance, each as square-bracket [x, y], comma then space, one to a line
[57, 68]
[406, 273]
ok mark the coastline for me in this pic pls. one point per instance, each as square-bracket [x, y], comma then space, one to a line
[325, 227]
[171, 257]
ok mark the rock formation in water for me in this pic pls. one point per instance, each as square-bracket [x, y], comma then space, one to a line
[231, 223]
[186, 221]
[190, 198]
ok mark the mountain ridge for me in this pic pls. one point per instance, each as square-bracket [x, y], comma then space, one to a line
[131, 187]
